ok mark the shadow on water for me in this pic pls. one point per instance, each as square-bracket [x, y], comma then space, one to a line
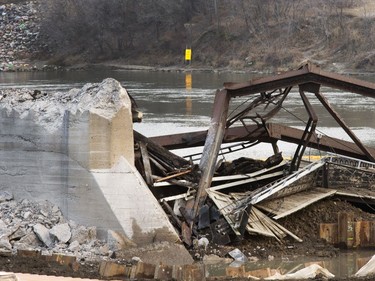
[344, 265]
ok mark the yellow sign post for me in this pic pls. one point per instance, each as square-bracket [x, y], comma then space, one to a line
[188, 55]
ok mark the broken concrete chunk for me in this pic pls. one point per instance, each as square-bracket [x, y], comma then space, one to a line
[18, 233]
[5, 245]
[61, 232]
[238, 255]
[26, 215]
[43, 234]
[3, 225]
[116, 241]
[104, 250]
[74, 246]
[29, 240]
[83, 234]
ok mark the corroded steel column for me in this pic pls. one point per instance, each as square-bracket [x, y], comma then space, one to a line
[211, 147]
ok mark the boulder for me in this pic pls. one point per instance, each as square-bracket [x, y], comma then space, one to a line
[43, 234]
[61, 232]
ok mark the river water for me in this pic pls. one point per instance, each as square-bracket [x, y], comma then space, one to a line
[174, 102]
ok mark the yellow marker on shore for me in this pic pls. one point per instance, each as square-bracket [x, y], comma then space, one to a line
[188, 54]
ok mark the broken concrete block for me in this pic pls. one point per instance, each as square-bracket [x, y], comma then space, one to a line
[5, 245]
[29, 240]
[74, 246]
[61, 232]
[43, 234]
[18, 234]
[110, 269]
[83, 234]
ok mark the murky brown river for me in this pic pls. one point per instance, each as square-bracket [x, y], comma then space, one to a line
[181, 102]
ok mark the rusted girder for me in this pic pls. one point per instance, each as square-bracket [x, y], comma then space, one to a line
[309, 131]
[306, 74]
[274, 132]
[341, 122]
[194, 139]
[211, 148]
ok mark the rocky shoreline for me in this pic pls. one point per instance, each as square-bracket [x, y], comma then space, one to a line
[21, 48]
[19, 31]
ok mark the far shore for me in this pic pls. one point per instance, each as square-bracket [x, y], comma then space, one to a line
[39, 65]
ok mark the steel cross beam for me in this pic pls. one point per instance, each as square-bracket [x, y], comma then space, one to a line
[341, 122]
[307, 74]
[309, 131]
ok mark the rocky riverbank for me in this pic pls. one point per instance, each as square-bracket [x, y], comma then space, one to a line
[19, 31]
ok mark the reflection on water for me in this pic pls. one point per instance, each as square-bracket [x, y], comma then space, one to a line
[344, 265]
[182, 102]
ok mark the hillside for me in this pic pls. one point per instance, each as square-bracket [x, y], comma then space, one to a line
[255, 35]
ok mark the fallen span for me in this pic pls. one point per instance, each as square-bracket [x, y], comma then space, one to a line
[247, 195]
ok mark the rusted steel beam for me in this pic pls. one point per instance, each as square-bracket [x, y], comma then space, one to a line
[275, 132]
[324, 143]
[309, 130]
[194, 139]
[211, 148]
[182, 140]
[341, 122]
[306, 74]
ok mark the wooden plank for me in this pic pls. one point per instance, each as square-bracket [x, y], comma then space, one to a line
[186, 196]
[287, 205]
[146, 164]
[175, 175]
[254, 175]
[161, 152]
[250, 175]
[250, 180]
[258, 222]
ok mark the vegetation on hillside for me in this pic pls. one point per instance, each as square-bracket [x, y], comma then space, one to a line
[252, 34]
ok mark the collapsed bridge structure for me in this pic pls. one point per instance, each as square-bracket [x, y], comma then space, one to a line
[275, 178]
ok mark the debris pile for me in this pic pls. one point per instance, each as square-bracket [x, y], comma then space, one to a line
[19, 30]
[247, 196]
[28, 225]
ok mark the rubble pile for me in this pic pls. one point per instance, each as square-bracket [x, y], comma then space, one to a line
[19, 30]
[28, 225]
